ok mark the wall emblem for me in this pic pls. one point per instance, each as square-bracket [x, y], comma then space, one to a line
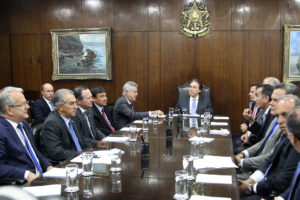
[195, 19]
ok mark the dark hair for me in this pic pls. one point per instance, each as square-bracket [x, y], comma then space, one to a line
[293, 123]
[197, 81]
[290, 88]
[78, 91]
[267, 90]
[97, 89]
[256, 85]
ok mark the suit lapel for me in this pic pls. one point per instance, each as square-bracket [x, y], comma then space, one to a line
[46, 105]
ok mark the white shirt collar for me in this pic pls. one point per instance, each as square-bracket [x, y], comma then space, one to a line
[81, 109]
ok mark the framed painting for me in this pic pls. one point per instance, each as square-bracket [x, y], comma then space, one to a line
[81, 53]
[291, 53]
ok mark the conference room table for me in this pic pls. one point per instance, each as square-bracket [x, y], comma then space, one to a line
[153, 177]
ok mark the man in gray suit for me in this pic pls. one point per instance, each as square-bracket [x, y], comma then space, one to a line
[253, 157]
[124, 112]
[196, 101]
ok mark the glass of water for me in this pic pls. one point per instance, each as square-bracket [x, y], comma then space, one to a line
[171, 113]
[181, 185]
[115, 160]
[71, 178]
[145, 124]
[87, 163]
[133, 133]
[187, 163]
[155, 118]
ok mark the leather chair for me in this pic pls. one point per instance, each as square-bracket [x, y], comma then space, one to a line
[183, 90]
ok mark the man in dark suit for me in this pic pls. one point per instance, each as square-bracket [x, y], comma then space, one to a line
[60, 135]
[293, 126]
[41, 108]
[102, 116]
[124, 112]
[19, 157]
[84, 114]
[196, 101]
[275, 175]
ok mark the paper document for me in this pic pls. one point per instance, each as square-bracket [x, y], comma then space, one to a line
[221, 118]
[116, 139]
[217, 179]
[58, 172]
[223, 132]
[45, 190]
[218, 123]
[102, 160]
[201, 139]
[138, 122]
[213, 162]
[198, 197]
[125, 129]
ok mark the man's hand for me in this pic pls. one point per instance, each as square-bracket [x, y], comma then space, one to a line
[243, 185]
[49, 168]
[31, 176]
[238, 158]
[248, 115]
[158, 112]
[244, 137]
[244, 127]
[101, 144]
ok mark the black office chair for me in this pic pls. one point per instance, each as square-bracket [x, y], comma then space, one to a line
[183, 90]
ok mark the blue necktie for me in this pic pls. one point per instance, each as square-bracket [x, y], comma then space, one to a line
[74, 137]
[294, 182]
[193, 111]
[32, 155]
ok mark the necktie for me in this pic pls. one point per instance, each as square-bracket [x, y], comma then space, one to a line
[32, 155]
[294, 182]
[88, 122]
[254, 111]
[193, 111]
[264, 118]
[51, 106]
[107, 121]
[74, 137]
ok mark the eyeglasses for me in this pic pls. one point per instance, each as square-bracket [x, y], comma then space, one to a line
[20, 105]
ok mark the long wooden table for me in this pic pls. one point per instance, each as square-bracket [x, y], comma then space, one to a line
[156, 181]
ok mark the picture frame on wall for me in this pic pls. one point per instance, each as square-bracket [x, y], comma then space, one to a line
[82, 53]
[291, 53]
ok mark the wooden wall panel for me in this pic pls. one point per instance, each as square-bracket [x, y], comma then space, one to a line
[154, 15]
[4, 17]
[5, 79]
[290, 10]
[169, 15]
[220, 14]
[237, 15]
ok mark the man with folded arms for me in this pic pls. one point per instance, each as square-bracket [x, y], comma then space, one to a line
[60, 135]
[275, 175]
[293, 126]
[253, 157]
[124, 112]
[19, 157]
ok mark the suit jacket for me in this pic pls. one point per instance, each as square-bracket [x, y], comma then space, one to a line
[56, 140]
[257, 136]
[40, 110]
[124, 113]
[254, 160]
[204, 102]
[295, 191]
[100, 122]
[14, 159]
[284, 162]
[83, 125]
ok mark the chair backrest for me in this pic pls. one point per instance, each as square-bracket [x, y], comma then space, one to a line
[36, 128]
[183, 90]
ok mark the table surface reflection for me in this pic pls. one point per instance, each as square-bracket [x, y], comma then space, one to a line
[152, 177]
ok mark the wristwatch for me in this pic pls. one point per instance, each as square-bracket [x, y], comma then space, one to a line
[249, 189]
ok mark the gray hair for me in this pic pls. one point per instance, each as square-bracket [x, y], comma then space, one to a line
[128, 85]
[273, 81]
[6, 99]
[290, 88]
[59, 97]
[292, 97]
[293, 122]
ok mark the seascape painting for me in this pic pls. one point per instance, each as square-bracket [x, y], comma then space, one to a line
[295, 54]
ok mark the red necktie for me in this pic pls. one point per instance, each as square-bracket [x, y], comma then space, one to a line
[254, 111]
[108, 123]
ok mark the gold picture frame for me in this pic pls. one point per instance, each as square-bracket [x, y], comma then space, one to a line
[291, 53]
[82, 53]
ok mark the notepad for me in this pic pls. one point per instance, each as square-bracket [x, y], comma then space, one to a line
[218, 123]
[199, 197]
[223, 132]
[45, 190]
[116, 139]
[58, 173]
[201, 139]
[221, 118]
[125, 129]
[214, 179]
[214, 162]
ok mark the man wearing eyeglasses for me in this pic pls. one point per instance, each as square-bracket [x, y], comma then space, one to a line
[19, 157]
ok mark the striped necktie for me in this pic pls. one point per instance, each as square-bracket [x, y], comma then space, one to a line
[74, 137]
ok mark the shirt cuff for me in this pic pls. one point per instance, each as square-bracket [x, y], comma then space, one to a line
[249, 133]
[241, 163]
[257, 176]
[246, 153]
[26, 174]
[254, 188]
[280, 198]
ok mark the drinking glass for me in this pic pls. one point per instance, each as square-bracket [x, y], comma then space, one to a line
[87, 186]
[181, 185]
[171, 113]
[187, 163]
[145, 124]
[155, 118]
[115, 160]
[133, 133]
[71, 178]
[87, 163]
[116, 184]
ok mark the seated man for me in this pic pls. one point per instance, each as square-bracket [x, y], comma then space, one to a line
[196, 101]
[84, 114]
[103, 118]
[19, 157]
[60, 135]
[275, 175]
[124, 112]
[41, 108]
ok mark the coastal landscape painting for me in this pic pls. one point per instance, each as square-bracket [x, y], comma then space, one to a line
[81, 53]
[291, 57]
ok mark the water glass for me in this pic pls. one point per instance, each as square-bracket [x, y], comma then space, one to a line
[207, 112]
[72, 178]
[115, 160]
[132, 148]
[87, 186]
[196, 149]
[116, 184]
[188, 166]
[155, 118]
[181, 185]
[171, 113]
[185, 124]
[133, 133]
[206, 124]
[145, 124]
[87, 163]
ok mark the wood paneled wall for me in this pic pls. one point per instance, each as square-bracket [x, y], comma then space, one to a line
[245, 46]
